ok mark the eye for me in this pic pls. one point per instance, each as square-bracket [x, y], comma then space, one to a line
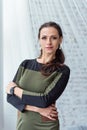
[44, 37]
[54, 38]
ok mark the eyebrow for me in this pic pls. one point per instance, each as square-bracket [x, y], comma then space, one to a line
[51, 35]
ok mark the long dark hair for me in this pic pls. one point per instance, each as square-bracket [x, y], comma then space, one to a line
[50, 67]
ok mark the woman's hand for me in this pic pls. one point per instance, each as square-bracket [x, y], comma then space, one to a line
[49, 112]
[9, 86]
[17, 91]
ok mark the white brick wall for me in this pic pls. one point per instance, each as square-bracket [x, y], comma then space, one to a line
[72, 105]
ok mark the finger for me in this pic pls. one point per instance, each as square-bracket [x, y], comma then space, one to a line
[54, 115]
[54, 108]
[54, 112]
[53, 118]
[11, 84]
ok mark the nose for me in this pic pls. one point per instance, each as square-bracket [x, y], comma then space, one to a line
[49, 41]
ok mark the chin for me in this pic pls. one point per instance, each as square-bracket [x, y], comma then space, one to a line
[49, 52]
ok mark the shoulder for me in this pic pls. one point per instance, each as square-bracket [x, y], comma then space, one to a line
[65, 69]
[27, 62]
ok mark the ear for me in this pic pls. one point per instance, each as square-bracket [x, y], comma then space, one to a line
[60, 40]
[39, 42]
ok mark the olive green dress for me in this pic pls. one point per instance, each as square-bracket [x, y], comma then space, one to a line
[40, 91]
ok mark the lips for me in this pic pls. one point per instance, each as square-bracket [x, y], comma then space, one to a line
[48, 47]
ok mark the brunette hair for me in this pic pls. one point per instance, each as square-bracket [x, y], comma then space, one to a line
[49, 68]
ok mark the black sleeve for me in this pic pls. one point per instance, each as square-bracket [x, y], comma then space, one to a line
[16, 102]
[12, 99]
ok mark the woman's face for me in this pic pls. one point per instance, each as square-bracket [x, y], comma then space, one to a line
[49, 40]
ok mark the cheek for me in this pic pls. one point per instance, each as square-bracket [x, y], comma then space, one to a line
[56, 45]
[56, 48]
[42, 44]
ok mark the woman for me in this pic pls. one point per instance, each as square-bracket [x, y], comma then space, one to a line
[40, 82]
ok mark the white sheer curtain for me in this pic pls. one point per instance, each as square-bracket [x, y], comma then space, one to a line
[18, 45]
[1, 70]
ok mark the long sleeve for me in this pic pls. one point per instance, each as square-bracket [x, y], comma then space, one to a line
[51, 94]
[16, 102]
[12, 99]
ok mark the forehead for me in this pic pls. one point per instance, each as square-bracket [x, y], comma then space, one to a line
[48, 31]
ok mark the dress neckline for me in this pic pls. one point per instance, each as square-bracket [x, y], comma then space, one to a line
[39, 62]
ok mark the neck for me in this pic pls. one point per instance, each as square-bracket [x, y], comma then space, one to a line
[45, 58]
